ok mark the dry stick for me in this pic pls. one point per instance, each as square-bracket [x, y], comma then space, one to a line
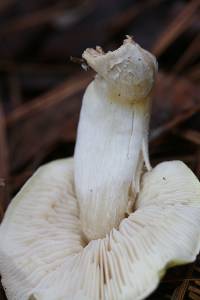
[37, 18]
[56, 95]
[191, 53]
[45, 118]
[193, 296]
[123, 19]
[46, 130]
[176, 121]
[180, 279]
[176, 27]
[194, 289]
[16, 67]
[180, 292]
[190, 135]
[4, 169]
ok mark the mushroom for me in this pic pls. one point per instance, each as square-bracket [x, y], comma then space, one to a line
[112, 136]
[100, 226]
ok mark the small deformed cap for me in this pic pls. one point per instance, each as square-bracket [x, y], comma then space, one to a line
[128, 71]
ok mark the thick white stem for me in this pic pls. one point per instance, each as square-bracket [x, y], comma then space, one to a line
[112, 137]
[107, 159]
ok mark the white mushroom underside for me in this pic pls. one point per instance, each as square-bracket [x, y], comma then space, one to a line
[43, 251]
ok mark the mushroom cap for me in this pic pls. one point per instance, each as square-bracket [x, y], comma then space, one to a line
[129, 71]
[43, 254]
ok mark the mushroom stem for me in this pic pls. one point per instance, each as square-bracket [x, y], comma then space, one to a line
[112, 136]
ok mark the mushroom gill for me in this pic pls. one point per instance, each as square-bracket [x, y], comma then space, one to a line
[43, 254]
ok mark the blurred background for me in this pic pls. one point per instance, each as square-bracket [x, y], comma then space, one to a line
[41, 88]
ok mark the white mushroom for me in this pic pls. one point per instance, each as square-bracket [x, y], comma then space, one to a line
[49, 250]
[112, 135]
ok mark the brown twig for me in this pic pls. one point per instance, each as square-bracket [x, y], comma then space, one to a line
[55, 96]
[123, 19]
[37, 18]
[176, 121]
[176, 27]
[10, 66]
[190, 135]
[189, 55]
